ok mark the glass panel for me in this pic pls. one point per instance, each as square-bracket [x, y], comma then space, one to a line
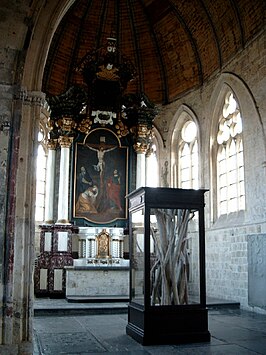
[242, 203]
[241, 188]
[137, 268]
[223, 180]
[39, 213]
[241, 173]
[185, 174]
[232, 205]
[232, 191]
[174, 264]
[223, 193]
[223, 207]
[189, 132]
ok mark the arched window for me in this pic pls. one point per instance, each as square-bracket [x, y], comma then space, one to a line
[40, 178]
[188, 157]
[230, 162]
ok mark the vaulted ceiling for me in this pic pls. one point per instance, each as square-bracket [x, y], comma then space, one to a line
[175, 45]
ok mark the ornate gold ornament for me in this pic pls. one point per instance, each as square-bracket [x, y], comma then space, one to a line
[140, 147]
[85, 125]
[66, 124]
[65, 141]
[52, 144]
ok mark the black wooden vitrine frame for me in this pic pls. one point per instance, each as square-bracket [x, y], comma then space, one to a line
[166, 324]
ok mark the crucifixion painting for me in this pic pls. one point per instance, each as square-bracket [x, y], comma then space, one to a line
[102, 163]
[100, 155]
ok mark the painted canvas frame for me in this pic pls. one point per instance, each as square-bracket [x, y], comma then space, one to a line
[100, 178]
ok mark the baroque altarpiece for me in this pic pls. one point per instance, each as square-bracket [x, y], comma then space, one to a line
[101, 129]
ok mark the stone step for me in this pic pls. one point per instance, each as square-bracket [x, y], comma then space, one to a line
[96, 299]
[91, 305]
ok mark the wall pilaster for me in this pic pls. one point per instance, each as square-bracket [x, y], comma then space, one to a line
[19, 130]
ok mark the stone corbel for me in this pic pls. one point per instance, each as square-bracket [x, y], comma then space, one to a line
[32, 98]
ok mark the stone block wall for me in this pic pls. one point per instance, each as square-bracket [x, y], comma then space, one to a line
[228, 264]
[257, 270]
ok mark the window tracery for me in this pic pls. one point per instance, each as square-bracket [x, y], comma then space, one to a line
[230, 161]
[188, 157]
[41, 175]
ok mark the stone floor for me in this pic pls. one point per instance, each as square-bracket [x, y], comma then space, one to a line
[101, 328]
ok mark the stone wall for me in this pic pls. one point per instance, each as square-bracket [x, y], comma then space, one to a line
[257, 270]
[22, 59]
[227, 262]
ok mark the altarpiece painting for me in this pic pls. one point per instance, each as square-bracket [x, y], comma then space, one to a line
[100, 178]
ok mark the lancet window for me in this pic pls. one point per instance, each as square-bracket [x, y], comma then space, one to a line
[188, 157]
[230, 161]
[40, 177]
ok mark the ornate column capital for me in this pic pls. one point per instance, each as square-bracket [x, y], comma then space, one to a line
[65, 141]
[52, 144]
[143, 136]
[140, 148]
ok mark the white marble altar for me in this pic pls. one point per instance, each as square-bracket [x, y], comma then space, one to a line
[100, 270]
[97, 281]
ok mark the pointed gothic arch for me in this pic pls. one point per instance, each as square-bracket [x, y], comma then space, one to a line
[183, 116]
[230, 82]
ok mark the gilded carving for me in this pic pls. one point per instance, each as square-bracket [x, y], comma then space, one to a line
[103, 244]
[65, 141]
[67, 124]
[85, 125]
[52, 144]
[140, 148]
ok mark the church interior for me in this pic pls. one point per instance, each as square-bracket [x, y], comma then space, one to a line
[99, 99]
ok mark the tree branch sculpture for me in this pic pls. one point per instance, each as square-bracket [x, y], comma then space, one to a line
[169, 273]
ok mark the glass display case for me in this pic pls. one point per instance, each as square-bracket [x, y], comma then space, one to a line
[167, 266]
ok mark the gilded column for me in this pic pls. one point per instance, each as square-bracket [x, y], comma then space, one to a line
[141, 147]
[49, 189]
[65, 144]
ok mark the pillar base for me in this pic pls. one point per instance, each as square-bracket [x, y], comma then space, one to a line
[25, 348]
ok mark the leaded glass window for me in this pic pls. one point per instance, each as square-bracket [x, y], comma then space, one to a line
[230, 161]
[188, 157]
